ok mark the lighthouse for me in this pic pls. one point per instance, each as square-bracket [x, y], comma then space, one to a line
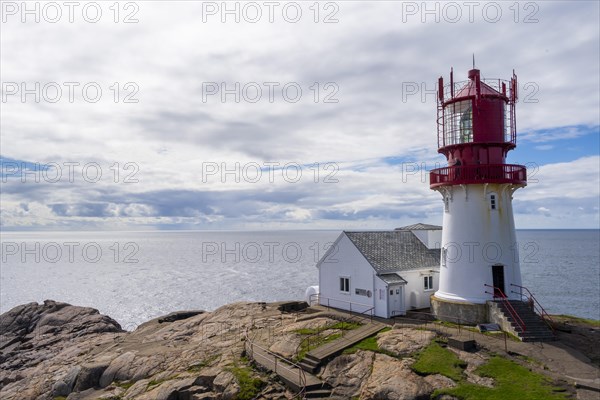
[479, 257]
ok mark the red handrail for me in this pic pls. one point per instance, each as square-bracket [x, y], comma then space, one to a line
[499, 294]
[536, 305]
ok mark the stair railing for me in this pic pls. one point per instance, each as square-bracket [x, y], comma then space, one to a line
[499, 294]
[536, 305]
[250, 345]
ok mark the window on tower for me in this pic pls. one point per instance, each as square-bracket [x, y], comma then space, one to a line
[446, 203]
[458, 123]
[493, 201]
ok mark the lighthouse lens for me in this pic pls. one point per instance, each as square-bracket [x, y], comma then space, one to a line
[458, 123]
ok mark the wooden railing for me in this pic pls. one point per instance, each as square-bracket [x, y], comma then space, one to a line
[282, 364]
[474, 174]
[536, 305]
[499, 294]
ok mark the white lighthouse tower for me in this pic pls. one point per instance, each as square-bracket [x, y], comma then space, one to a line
[476, 130]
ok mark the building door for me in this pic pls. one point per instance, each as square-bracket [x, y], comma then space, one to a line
[395, 300]
[498, 279]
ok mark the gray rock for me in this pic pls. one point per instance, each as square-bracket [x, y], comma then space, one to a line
[64, 386]
[89, 376]
[119, 369]
[404, 341]
[346, 373]
[393, 379]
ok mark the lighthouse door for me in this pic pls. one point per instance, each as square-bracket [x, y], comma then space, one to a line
[395, 300]
[498, 279]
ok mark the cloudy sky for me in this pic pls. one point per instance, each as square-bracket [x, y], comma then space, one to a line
[281, 115]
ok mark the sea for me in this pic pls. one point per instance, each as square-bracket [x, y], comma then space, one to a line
[137, 276]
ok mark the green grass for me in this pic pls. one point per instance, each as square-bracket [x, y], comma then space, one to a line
[512, 380]
[123, 385]
[345, 326]
[592, 322]
[250, 386]
[202, 364]
[435, 359]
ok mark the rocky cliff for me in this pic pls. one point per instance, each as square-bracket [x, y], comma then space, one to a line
[55, 351]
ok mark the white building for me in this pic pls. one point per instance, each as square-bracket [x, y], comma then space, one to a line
[384, 272]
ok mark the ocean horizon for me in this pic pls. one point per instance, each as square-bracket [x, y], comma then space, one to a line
[134, 276]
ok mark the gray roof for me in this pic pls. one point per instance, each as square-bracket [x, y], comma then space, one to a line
[392, 278]
[397, 250]
[420, 227]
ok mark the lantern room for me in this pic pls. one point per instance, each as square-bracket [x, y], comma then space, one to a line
[476, 130]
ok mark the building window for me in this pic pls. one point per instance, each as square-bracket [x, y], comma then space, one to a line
[446, 203]
[428, 282]
[493, 200]
[344, 285]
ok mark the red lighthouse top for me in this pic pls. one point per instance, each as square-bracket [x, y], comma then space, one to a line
[476, 130]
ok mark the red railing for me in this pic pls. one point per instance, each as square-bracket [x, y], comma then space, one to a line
[475, 174]
[499, 294]
[535, 304]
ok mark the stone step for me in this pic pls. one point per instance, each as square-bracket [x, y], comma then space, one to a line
[536, 328]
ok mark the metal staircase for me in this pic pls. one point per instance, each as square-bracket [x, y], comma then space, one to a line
[525, 319]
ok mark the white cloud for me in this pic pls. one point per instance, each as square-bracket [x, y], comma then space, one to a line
[370, 55]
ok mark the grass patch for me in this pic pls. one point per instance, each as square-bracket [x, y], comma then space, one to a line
[513, 381]
[345, 326]
[435, 359]
[250, 386]
[342, 325]
[202, 364]
[123, 385]
[570, 318]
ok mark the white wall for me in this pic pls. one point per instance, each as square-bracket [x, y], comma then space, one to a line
[432, 239]
[415, 294]
[346, 261]
[380, 296]
[477, 238]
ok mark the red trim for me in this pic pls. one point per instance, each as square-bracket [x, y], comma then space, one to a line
[478, 174]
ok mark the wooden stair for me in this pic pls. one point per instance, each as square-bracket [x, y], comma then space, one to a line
[306, 384]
